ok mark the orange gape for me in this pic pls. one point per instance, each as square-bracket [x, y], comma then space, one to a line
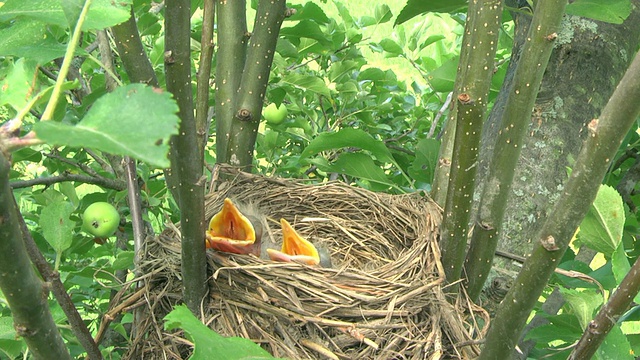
[295, 248]
[230, 231]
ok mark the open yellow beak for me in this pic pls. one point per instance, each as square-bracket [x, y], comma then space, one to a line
[230, 231]
[295, 248]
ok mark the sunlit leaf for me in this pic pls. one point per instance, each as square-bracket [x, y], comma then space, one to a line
[207, 343]
[124, 260]
[309, 10]
[348, 137]
[28, 39]
[382, 13]
[361, 166]
[615, 346]
[308, 29]
[414, 8]
[102, 13]
[583, 304]
[17, 86]
[307, 83]
[341, 68]
[391, 46]
[56, 226]
[602, 227]
[423, 167]
[133, 120]
[612, 11]
[443, 78]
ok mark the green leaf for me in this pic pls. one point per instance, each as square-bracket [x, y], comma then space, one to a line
[615, 346]
[133, 120]
[310, 11]
[17, 86]
[443, 78]
[124, 260]
[382, 13]
[307, 83]
[340, 68]
[549, 333]
[72, 10]
[361, 166]
[207, 343]
[344, 13]
[391, 46]
[424, 165]
[102, 13]
[601, 229]
[612, 11]
[308, 29]
[418, 7]
[619, 263]
[56, 226]
[583, 304]
[28, 39]
[348, 137]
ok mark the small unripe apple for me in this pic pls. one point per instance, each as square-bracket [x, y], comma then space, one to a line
[100, 219]
[275, 115]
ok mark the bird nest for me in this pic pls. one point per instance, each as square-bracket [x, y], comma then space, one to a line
[383, 297]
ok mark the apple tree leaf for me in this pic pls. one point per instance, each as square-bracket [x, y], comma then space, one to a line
[601, 229]
[102, 13]
[348, 137]
[611, 11]
[56, 226]
[134, 120]
[208, 343]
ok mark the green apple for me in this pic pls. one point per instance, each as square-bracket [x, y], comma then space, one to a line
[275, 115]
[100, 219]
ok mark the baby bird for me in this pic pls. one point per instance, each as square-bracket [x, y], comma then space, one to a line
[233, 232]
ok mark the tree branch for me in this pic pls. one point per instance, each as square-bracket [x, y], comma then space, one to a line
[114, 184]
[52, 277]
[204, 74]
[244, 127]
[23, 289]
[230, 59]
[516, 118]
[600, 326]
[187, 159]
[472, 90]
[605, 136]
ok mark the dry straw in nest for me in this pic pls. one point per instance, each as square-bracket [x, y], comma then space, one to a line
[382, 299]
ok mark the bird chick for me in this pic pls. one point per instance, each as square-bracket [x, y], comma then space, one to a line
[230, 230]
[295, 248]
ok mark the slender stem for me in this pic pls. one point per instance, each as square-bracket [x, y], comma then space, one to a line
[605, 136]
[204, 73]
[132, 53]
[600, 326]
[95, 180]
[516, 118]
[66, 64]
[482, 29]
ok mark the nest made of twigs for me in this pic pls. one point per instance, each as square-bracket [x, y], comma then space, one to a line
[382, 299]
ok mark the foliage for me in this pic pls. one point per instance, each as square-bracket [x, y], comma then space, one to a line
[208, 343]
[351, 117]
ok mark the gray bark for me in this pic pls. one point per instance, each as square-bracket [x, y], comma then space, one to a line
[589, 60]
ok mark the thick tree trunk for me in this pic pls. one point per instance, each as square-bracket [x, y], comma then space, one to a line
[589, 59]
[588, 62]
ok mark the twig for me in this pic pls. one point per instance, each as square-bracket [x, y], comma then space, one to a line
[114, 184]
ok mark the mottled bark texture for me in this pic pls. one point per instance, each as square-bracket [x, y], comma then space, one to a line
[589, 60]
